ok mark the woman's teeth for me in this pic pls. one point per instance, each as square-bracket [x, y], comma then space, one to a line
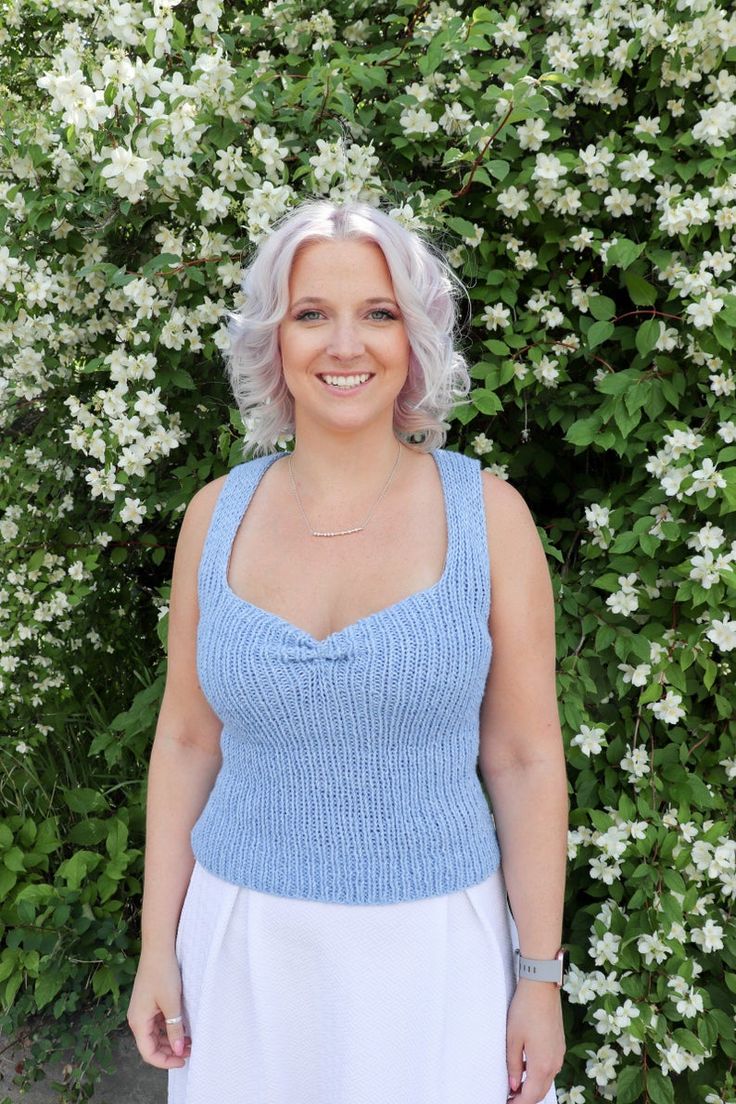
[346, 382]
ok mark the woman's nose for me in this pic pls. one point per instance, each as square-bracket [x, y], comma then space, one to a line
[344, 340]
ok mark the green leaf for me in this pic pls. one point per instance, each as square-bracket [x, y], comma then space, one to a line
[85, 800]
[452, 155]
[619, 383]
[499, 348]
[641, 291]
[624, 542]
[486, 401]
[87, 832]
[624, 252]
[156, 264]
[659, 1087]
[598, 333]
[182, 379]
[723, 333]
[729, 491]
[13, 859]
[601, 307]
[75, 869]
[647, 336]
[117, 838]
[462, 227]
[673, 880]
[497, 168]
[584, 431]
[629, 1085]
[47, 986]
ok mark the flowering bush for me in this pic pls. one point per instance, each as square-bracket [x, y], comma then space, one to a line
[575, 158]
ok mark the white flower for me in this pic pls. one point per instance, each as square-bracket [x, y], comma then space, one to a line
[209, 14]
[626, 600]
[704, 311]
[531, 134]
[214, 203]
[649, 126]
[496, 315]
[508, 32]
[723, 633]
[620, 201]
[636, 762]
[416, 120]
[668, 709]
[727, 430]
[546, 371]
[481, 444]
[709, 937]
[638, 675]
[552, 317]
[455, 119]
[548, 167]
[420, 92]
[589, 740]
[133, 511]
[595, 160]
[707, 478]
[569, 203]
[601, 1064]
[597, 516]
[583, 240]
[10, 271]
[125, 172]
[652, 949]
[716, 123]
[513, 201]
[704, 570]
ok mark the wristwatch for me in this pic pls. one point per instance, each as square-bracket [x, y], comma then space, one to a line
[542, 969]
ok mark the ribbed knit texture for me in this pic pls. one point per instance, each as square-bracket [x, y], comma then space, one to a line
[349, 763]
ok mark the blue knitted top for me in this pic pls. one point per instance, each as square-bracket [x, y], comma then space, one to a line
[349, 763]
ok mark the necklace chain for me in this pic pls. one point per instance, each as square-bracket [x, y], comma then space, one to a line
[357, 528]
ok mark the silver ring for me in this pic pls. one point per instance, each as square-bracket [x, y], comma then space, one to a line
[175, 1019]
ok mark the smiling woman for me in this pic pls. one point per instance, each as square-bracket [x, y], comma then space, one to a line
[321, 267]
[325, 916]
[343, 342]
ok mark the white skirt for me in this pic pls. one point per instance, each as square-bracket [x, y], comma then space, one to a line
[291, 1001]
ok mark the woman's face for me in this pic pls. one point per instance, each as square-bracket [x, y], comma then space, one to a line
[343, 321]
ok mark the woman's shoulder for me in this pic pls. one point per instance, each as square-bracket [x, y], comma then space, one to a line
[512, 531]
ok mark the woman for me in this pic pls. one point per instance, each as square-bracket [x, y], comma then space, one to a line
[325, 916]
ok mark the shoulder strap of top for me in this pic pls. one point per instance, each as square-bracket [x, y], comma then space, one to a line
[467, 512]
[232, 502]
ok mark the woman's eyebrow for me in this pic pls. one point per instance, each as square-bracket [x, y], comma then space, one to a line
[316, 299]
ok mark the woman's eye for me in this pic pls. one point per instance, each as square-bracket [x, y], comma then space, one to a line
[379, 310]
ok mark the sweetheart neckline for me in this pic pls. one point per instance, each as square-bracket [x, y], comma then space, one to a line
[322, 642]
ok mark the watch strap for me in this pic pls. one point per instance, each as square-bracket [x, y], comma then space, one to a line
[541, 969]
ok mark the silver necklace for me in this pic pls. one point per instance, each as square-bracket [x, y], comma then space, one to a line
[357, 528]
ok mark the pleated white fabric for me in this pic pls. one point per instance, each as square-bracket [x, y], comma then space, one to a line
[292, 1001]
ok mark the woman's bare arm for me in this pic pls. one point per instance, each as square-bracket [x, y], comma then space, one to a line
[522, 762]
[522, 758]
[185, 757]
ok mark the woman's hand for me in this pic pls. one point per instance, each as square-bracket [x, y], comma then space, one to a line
[156, 997]
[534, 1026]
